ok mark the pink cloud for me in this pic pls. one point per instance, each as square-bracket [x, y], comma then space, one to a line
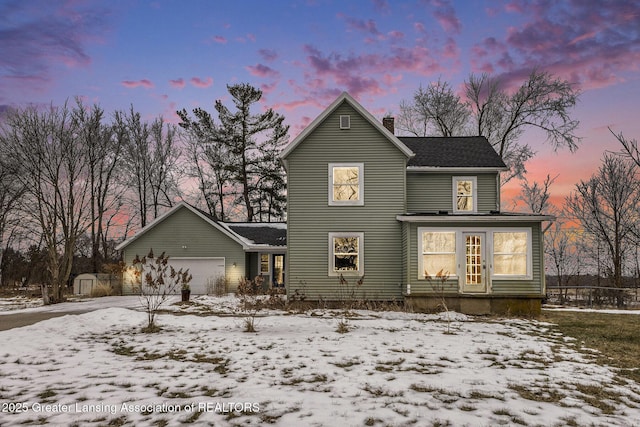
[261, 70]
[220, 39]
[268, 54]
[419, 27]
[367, 74]
[198, 82]
[591, 45]
[177, 83]
[36, 38]
[514, 7]
[268, 88]
[131, 84]
[446, 16]
[368, 26]
[382, 6]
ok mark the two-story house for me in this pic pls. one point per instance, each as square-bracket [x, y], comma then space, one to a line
[380, 215]
[373, 216]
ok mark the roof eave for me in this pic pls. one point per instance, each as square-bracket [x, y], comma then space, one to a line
[456, 169]
[229, 233]
[475, 218]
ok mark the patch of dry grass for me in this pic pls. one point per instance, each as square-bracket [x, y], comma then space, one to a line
[615, 336]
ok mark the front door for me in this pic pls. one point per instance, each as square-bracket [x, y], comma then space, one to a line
[278, 270]
[475, 275]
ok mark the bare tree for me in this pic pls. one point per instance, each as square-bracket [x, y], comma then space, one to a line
[150, 162]
[435, 110]
[629, 147]
[607, 207]
[562, 250]
[50, 162]
[11, 193]
[536, 196]
[103, 148]
[542, 102]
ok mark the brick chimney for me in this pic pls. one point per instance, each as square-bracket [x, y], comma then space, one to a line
[388, 122]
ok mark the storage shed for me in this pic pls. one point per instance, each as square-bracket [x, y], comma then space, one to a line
[88, 283]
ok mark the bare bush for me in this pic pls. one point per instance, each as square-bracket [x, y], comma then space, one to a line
[158, 280]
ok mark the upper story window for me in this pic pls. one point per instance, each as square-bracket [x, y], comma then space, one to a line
[346, 184]
[465, 190]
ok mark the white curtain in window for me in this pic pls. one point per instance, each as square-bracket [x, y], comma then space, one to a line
[438, 252]
[510, 253]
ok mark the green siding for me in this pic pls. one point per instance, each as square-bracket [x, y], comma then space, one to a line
[310, 219]
[433, 192]
[535, 286]
[185, 228]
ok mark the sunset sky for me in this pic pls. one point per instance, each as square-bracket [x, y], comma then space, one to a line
[160, 56]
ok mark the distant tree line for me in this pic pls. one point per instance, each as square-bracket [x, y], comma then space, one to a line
[74, 182]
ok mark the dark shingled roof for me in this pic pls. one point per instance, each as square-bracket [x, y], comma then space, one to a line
[461, 151]
[262, 234]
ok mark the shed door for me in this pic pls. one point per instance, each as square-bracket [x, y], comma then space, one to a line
[86, 286]
[203, 270]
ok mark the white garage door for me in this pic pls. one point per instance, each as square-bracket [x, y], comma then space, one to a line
[202, 270]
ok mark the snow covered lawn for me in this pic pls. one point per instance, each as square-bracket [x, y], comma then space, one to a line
[390, 368]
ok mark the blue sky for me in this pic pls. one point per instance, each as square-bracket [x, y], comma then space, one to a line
[160, 56]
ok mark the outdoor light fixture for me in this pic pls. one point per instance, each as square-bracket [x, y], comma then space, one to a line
[184, 246]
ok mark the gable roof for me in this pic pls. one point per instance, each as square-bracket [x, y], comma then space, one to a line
[250, 240]
[345, 97]
[452, 152]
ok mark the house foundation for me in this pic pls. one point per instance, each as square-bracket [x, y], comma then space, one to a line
[477, 305]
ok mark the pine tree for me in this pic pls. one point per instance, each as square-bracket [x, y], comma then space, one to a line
[251, 143]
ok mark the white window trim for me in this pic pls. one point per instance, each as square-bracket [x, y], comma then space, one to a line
[331, 267]
[260, 263]
[452, 274]
[489, 250]
[360, 201]
[348, 121]
[474, 193]
[529, 274]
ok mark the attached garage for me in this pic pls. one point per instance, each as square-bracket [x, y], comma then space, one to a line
[210, 249]
[202, 270]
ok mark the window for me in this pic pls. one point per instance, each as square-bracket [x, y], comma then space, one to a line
[438, 252]
[264, 264]
[346, 253]
[464, 194]
[511, 253]
[464, 253]
[345, 122]
[346, 184]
